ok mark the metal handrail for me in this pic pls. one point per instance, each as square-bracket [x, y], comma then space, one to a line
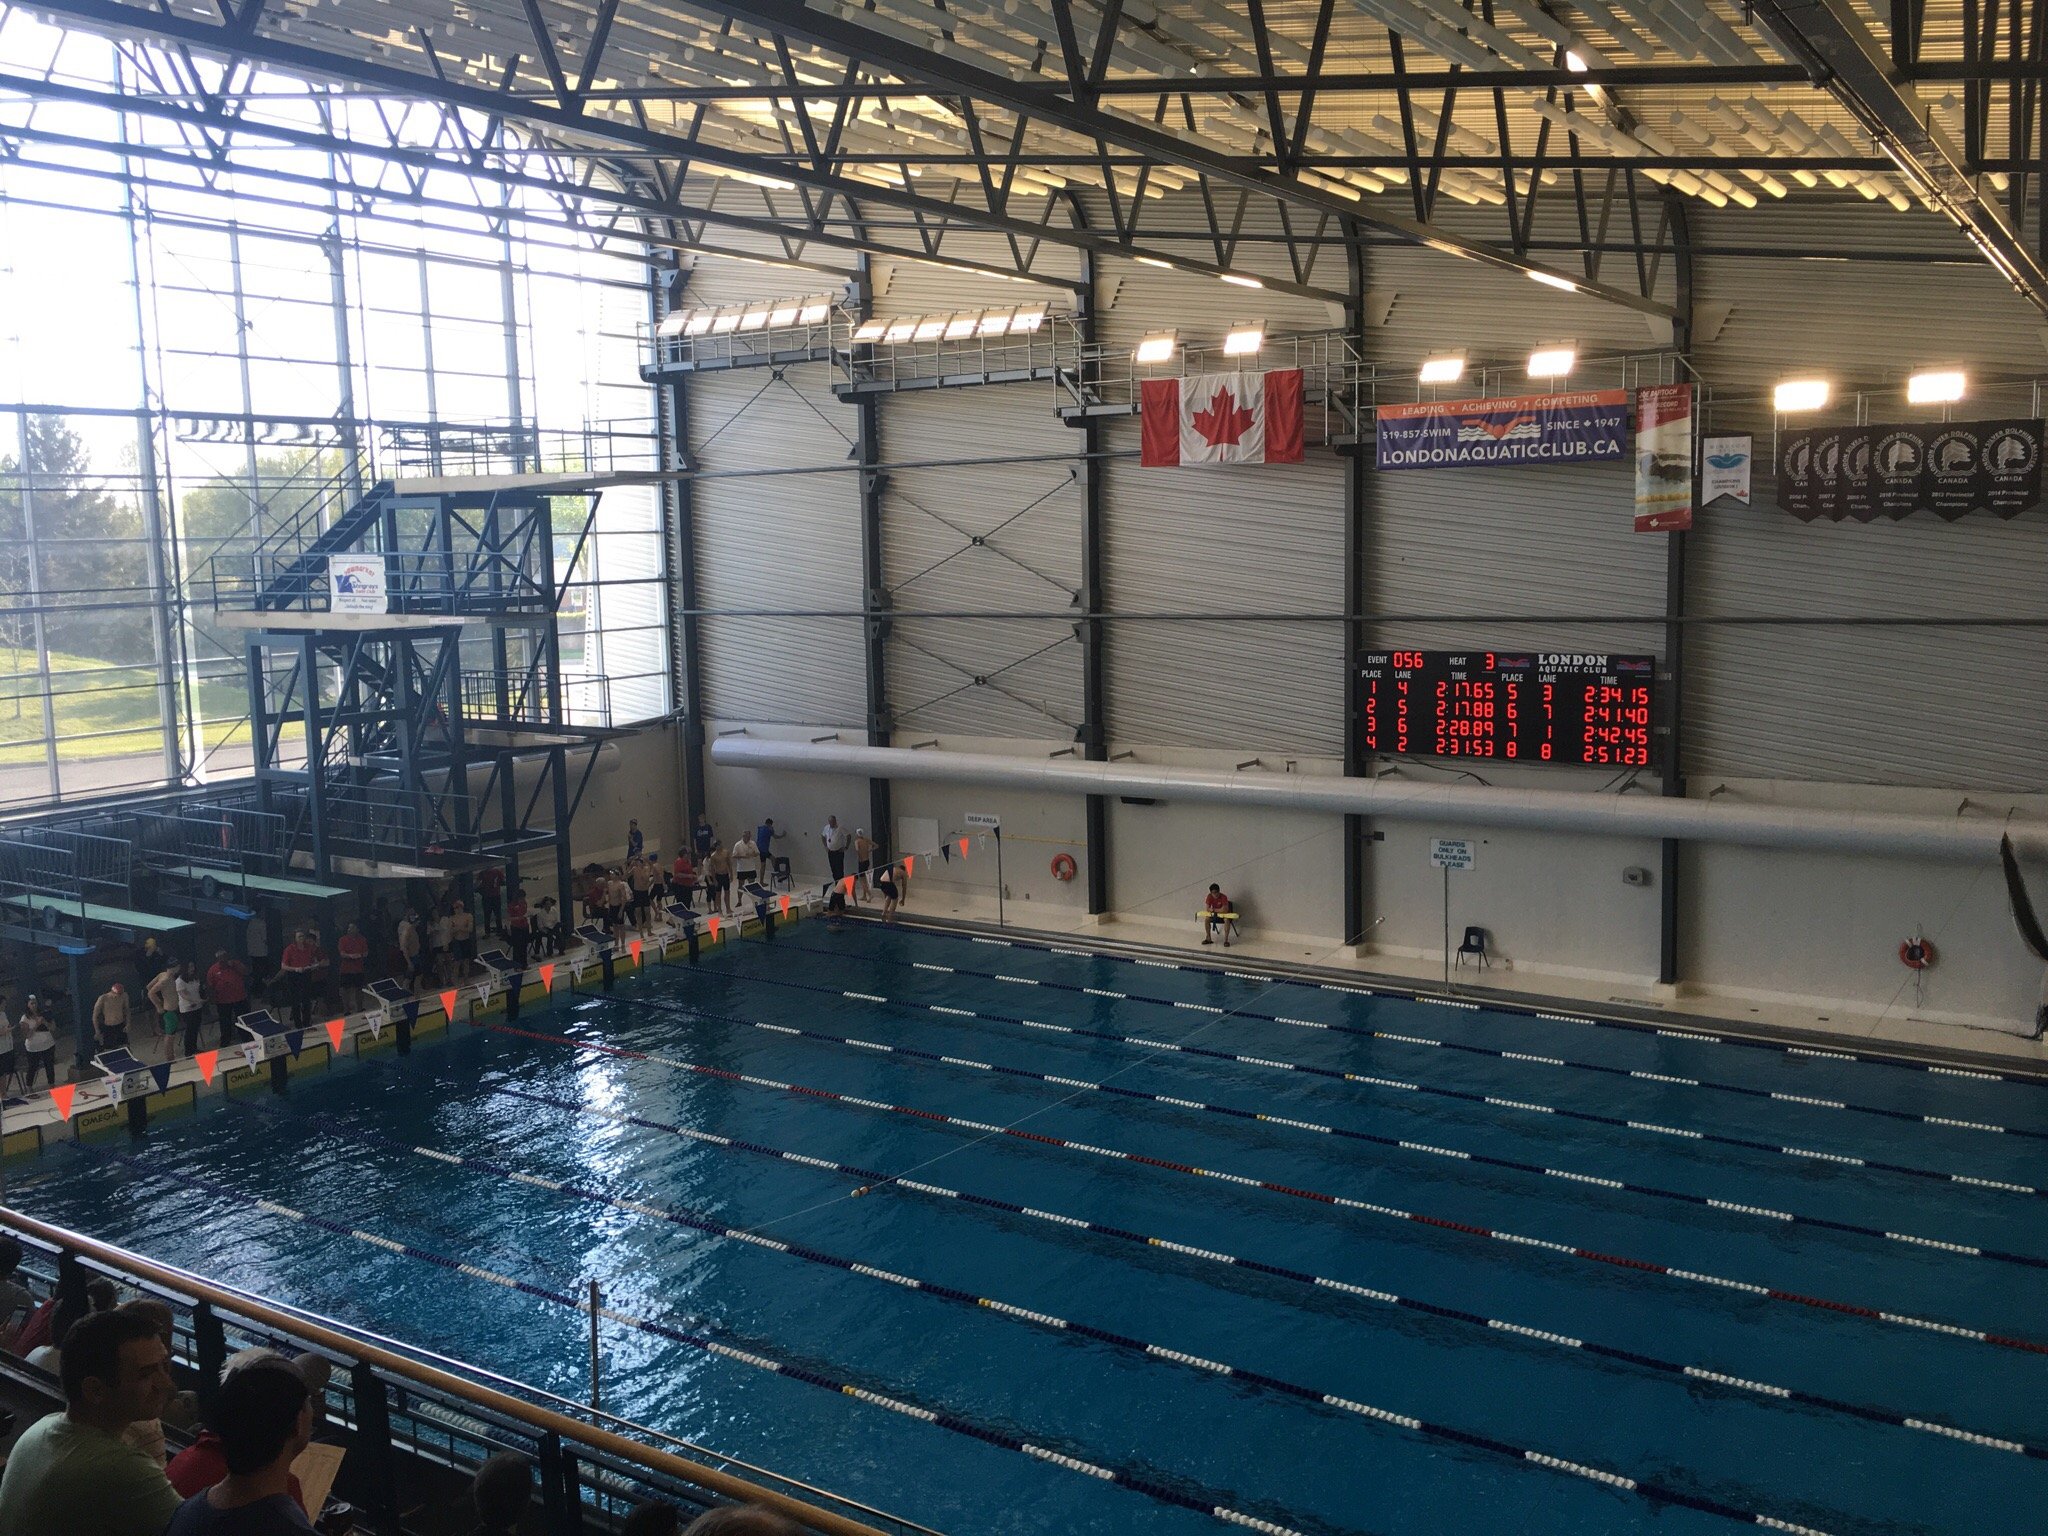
[388, 1362]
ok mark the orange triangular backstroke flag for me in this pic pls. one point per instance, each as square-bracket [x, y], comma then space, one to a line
[62, 1095]
[547, 976]
[963, 847]
[910, 864]
[785, 906]
[208, 1061]
[848, 883]
[635, 947]
[448, 1003]
[714, 928]
[334, 1028]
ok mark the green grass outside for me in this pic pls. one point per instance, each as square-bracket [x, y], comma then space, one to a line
[100, 710]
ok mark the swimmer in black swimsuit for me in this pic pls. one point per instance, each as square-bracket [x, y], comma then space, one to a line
[885, 886]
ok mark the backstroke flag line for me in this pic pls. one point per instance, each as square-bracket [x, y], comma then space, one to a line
[1221, 418]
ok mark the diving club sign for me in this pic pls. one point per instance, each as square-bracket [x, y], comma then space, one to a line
[1577, 427]
[356, 584]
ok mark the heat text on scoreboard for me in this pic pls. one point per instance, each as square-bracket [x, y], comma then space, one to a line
[1525, 706]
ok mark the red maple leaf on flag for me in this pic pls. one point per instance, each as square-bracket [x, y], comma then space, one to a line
[1223, 424]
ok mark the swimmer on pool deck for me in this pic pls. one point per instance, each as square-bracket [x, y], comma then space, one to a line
[885, 887]
[1216, 913]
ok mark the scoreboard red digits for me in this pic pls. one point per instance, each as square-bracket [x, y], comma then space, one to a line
[1528, 706]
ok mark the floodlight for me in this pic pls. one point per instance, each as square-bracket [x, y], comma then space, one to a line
[1441, 370]
[1552, 362]
[1799, 395]
[1935, 388]
[962, 324]
[1030, 318]
[672, 323]
[700, 322]
[994, 323]
[870, 330]
[930, 328]
[814, 311]
[1155, 349]
[725, 323]
[1245, 340]
[899, 331]
[753, 319]
[783, 314]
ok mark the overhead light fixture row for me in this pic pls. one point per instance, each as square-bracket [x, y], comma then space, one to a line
[761, 314]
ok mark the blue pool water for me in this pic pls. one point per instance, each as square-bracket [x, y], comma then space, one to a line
[340, 1148]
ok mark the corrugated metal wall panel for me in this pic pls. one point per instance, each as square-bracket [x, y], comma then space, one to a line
[789, 541]
[1961, 707]
[1030, 515]
[1143, 301]
[1269, 539]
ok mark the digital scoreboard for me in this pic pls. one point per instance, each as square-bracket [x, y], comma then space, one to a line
[1528, 706]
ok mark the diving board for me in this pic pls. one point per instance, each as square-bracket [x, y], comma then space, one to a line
[262, 885]
[49, 911]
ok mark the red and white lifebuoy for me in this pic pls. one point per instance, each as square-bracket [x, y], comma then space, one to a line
[1917, 954]
[1063, 866]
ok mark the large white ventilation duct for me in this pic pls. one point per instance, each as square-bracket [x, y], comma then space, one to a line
[1401, 799]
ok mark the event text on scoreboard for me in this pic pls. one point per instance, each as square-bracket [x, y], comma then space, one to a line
[1528, 706]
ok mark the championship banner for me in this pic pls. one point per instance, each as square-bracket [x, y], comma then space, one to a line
[1524, 429]
[1664, 458]
[1947, 468]
[1221, 418]
[1725, 464]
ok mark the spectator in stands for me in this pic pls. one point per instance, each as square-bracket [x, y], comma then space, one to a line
[501, 1492]
[10, 1054]
[191, 996]
[863, 856]
[490, 899]
[204, 1462]
[462, 933]
[547, 926]
[15, 1301]
[742, 1520]
[264, 1418]
[110, 1018]
[38, 1045]
[718, 881]
[835, 840]
[519, 926]
[636, 840]
[227, 983]
[352, 951]
[653, 1518]
[300, 961]
[70, 1307]
[682, 879]
[147, 1435]
[72, 1472]
[1215, 907]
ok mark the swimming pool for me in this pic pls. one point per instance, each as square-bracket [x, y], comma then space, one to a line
[1164, 1241]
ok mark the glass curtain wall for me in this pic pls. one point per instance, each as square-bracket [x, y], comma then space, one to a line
[191, 358]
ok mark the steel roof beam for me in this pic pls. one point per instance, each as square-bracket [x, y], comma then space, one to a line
[952, 75]
[1847, 62]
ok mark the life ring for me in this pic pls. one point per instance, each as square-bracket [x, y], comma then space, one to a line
[1917, 954]
[1063, 866]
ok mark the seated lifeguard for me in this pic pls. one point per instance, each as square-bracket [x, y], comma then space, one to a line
[1217, 913]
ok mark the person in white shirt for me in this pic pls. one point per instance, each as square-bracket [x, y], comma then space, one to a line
[835, 838]
[38, 1046]
[746, 862]
[8, 1064]
[191, 997]
[547, 927]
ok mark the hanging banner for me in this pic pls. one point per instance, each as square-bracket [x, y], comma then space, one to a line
[1725, 464]
[1221, 418]
[1664, 458]
[355, 584]
[1947, 468]
[1524, 429]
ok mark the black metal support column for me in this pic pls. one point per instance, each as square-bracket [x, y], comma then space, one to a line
[1672, 781]
[683, 525]
[1094, 733]
[874, 593]
[1356, 489]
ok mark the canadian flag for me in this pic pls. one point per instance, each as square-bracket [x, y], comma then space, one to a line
[1221, 418]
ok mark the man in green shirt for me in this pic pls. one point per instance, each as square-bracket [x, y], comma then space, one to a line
[72, 1471]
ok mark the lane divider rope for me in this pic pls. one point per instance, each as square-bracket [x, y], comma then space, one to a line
[1402, 994]
[1672, 1080]
[753, 1358]
[1761, 1212]
[698, 1221]
[876, 1181]
[1566, 1250]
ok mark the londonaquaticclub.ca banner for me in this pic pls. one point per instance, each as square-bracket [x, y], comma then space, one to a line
[1221, 418]
[1572, 428]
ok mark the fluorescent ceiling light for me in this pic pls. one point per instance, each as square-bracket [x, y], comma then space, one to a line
[930, 328]
[961, 325]
[1799, 395]
[1153, 261]
[813, 311]
[1242, 282]
[1552, 280]
[725, 323]
[1552, 362]
[1935, 388]
[994, 323]
[1575, 62]
[783, 314]
[1245, 339]
[899, 330]
[1155, 349]
[1442, 370]
[870, 330]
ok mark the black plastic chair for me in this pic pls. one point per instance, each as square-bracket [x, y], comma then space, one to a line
[1475, 944]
